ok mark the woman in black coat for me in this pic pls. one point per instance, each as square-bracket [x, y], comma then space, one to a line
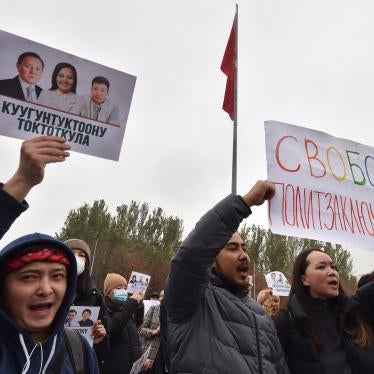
[119, 322]
[86, 294]
[324, 331]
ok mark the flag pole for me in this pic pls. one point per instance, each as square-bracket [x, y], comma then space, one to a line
[235, 128]
[93, 257]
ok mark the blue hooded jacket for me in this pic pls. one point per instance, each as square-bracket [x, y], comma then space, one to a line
[18, 352]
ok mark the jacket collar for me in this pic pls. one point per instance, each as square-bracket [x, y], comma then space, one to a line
[231, 287]
[344, 303]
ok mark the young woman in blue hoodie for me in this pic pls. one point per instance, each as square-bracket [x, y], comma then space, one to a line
[37, 285]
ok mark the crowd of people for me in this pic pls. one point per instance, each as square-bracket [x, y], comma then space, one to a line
[205, 322]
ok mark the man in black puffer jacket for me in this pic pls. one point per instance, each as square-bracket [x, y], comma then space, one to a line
[213, 326]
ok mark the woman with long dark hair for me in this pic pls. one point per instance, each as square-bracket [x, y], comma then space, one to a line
[323, 330]
[62, 94]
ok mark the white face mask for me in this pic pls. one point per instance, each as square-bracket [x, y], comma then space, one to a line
[81, 263]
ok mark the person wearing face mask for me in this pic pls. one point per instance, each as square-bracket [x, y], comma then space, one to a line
[118, 319]
[86, 294]
[323, 330]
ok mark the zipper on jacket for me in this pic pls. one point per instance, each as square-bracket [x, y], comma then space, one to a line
[258, 347]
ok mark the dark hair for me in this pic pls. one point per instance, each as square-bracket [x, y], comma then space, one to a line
[57, 69]
[101, 80]
[356, 327]
[31, 54]
[87, 310]
[73, 311]
[366, 278]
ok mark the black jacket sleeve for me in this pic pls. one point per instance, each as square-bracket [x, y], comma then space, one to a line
[122, 317]
[10, 209]
[365, 297]
[189, 271]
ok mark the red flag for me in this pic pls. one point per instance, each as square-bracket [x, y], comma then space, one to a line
[228, 68]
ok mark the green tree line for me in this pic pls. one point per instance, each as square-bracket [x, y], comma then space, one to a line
[138, 238]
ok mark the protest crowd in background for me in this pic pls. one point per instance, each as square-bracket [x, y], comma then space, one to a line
[54, 318]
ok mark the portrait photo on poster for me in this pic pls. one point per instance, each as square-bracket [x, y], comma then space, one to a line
[138, 282]
[81, 319]
[45, 91]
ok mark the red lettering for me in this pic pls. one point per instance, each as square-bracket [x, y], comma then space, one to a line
[329, 207]
[319, 207]
[354, 218]
[293, 205]
[309, 209]
[337, 212]
[363, 204]
[277, 151]
[307, 142]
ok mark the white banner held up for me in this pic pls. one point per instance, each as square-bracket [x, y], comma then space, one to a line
[324, 186]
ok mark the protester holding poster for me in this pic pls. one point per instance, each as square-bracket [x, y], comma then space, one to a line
[118, 319]
[38, 275]
[213, 326]
[87, 295]
[323, 330]
[62, 94]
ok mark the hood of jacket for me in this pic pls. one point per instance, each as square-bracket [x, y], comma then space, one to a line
[18, 352]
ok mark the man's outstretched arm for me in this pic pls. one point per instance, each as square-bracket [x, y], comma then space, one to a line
[189, 272]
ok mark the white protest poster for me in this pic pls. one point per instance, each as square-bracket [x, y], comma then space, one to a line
[324, 186]
[138, 282]
[250, 280]
[137, 366]
[278, 282]
[81, 319]
[45, 91]
[148, 304]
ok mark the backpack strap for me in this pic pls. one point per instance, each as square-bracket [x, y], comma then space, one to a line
[56, 366]
[75, 349]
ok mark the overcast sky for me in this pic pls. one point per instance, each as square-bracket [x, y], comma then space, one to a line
[308, 63]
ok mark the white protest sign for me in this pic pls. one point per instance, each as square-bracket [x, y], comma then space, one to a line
[137, 366]
[81, 319]
[148, 304]
[324, 186]
[45, 91]
[138, 282]
[278, 282]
